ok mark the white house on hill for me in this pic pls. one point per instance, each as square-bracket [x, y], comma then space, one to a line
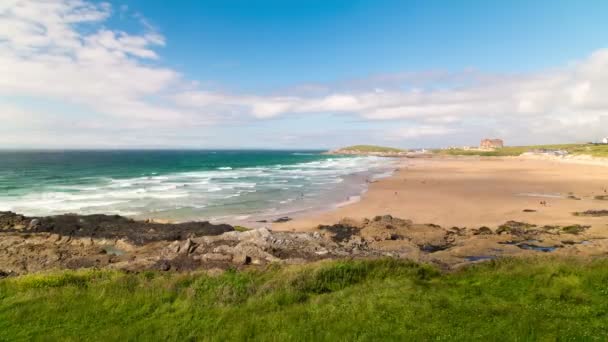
[605, 140]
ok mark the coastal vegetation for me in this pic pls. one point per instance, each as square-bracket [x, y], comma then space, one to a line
[241, 228]
[595, 150]
[370, 149]
[523, 299]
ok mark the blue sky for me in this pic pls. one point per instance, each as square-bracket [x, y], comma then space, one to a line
[301, 74]
[266, 44]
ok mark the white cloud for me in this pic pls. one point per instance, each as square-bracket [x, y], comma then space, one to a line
[43, 54]
[416, 132]
[546, 103]
[62, 51]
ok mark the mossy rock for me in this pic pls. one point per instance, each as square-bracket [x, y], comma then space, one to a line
[592, 213]
[515, 228]
[574, 229]
[241, 229]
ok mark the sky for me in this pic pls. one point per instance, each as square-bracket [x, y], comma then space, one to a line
[301, 74]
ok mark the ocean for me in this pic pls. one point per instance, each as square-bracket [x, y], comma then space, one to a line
[219, 186]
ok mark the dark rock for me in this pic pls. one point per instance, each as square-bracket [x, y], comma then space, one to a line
[111, 227]
[575, 229]
[341, 232]
[593, 213]
[12, 221]
[483, 231]
[458, 231]
[184, 262]
[551, 229]
[516, 228]
[396, 237]
[164, 265]
[529, 210]
[282, 219]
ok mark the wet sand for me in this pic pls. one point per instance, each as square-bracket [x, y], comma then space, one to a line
[473, 192]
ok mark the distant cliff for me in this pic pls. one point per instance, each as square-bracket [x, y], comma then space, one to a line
[370, 150]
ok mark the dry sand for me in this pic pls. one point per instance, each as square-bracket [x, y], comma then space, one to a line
[473, 192]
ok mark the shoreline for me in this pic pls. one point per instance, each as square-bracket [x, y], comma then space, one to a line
[281, 185]
[350, 191]
[533, 179]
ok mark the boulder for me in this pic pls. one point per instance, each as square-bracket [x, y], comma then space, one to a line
[215, 257]
[164, 265]
[516, 228]
[246, 253]
[483, 231]
[188, 247]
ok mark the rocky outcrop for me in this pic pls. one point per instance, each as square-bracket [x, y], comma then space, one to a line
[109, 227]
[72, 241]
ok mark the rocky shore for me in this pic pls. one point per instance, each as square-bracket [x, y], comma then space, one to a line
[33, 244]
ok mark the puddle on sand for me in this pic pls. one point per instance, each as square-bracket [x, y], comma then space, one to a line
[530, 245]
[432, 248]
[536, 248]
[480, 257]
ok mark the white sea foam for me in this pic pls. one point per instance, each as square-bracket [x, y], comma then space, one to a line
[239, 191]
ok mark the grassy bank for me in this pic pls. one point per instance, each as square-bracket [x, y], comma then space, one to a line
[545, 299]
[371, 149]
[576, 149]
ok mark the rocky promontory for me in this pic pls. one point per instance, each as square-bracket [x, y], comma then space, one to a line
[369, 150]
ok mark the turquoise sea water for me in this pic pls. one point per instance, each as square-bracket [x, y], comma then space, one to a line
[182, 185]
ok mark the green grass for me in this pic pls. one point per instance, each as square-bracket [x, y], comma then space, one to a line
[371, 148]
[595, 150]
[241, 229]
[507, 300]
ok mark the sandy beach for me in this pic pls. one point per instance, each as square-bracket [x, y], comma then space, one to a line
[473, 192]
